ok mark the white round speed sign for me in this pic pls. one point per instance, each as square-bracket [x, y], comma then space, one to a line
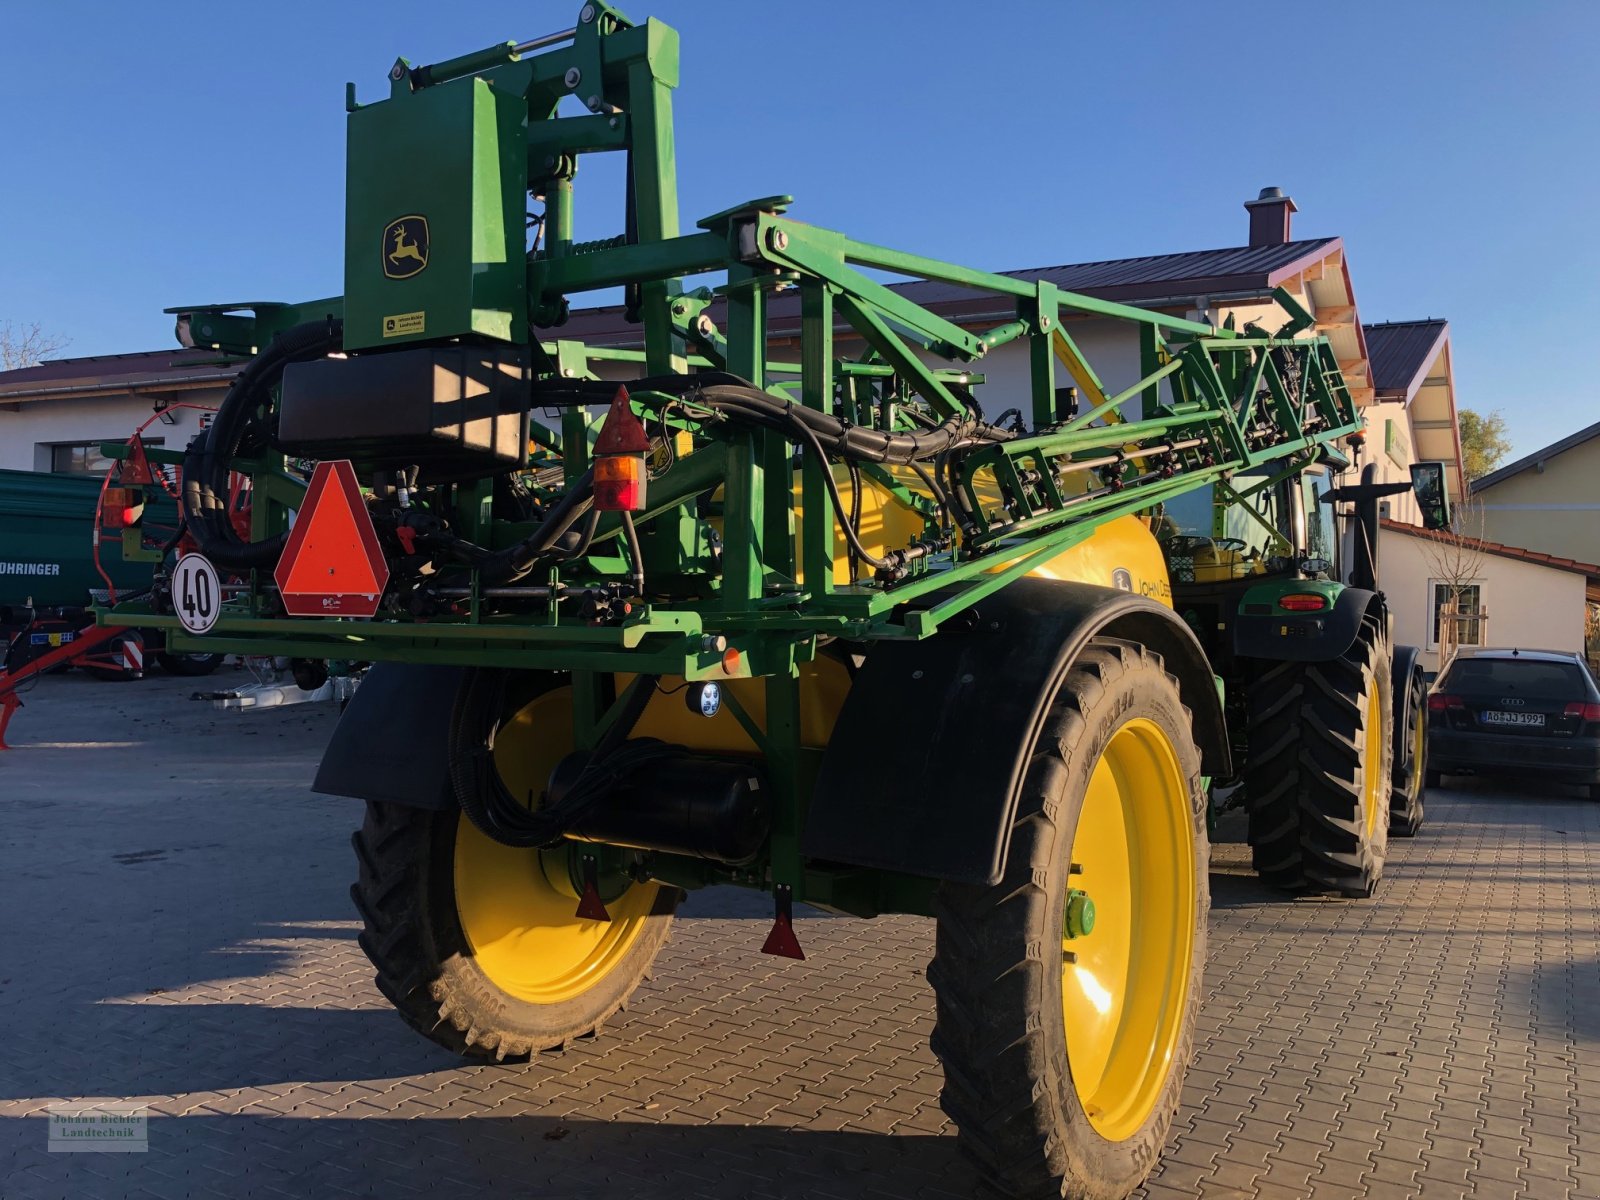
[196, 593]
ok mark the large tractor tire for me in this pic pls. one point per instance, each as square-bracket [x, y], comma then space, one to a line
[189, 664]
[1411, 771]
[1062, 1075]
[1318, 772]
[478, 944]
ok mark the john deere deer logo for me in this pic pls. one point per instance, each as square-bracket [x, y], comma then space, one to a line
[405, 247]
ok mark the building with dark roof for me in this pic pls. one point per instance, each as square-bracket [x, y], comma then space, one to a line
[1412, 373]
[54, 416]
[1548, 500]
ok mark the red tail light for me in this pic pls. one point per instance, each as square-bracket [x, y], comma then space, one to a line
[1438, 702]
[1583, 709]
[619, 450]
[123, 507]
[619, 482]
[1303, 602]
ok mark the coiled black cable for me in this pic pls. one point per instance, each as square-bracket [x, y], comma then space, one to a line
[244, 420]
[481, 709]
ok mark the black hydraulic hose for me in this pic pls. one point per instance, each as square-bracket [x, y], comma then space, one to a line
[635, 553]
[243, 413]
[481, 710]
[855, 516]
[850, 534]
[960, 506]
[516, 561]
[932, 484]
[585, 538]
[743, 402]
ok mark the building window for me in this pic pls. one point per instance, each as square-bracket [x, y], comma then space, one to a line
[1467, 598]
[84, 458]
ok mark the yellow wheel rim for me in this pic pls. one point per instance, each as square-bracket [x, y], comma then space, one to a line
[1125, 982]
[1372, 777]
[1419, 746]
[516, 906]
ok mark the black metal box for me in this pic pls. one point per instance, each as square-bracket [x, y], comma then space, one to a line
[457, 412]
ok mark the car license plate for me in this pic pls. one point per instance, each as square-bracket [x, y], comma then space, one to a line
[1495, 717]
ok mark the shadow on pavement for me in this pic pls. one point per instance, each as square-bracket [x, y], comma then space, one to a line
[172, 1049]
[1244, 891]
[1560, 993]
[566, 1159]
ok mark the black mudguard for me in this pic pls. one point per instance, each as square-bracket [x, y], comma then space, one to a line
[391, 743]
[1407, 666]
[1306, 637]
[922, 773]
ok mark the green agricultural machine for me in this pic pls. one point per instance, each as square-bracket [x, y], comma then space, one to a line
[657, 618]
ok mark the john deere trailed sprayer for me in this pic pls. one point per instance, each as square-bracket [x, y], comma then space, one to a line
[651, 619]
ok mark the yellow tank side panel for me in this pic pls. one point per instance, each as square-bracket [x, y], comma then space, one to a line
[823, 684]
[1122, 554]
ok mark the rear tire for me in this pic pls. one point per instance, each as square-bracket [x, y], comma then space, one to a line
[478, 944]
[426, 964]
[1318, 773]
[1046, 1102]
[1405, 805]
[190, 665]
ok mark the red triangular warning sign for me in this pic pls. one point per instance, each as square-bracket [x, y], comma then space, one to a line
[136, 467]
[332, 565]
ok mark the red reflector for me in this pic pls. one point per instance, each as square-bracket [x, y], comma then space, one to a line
[619, 458]
[1303, 602]
[1580, 708]
[1439, 702]
[333, 565]
[622, 433]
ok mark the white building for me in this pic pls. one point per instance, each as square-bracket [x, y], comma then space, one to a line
[54, 416]
[1520, 597]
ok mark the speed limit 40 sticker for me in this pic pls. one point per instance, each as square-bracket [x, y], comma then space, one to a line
[196, 593]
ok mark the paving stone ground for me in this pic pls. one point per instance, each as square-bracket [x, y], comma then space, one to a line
[175, 929]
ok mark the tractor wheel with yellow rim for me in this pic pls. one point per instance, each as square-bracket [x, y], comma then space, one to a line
[1067, 992]
[1318, 771]
[1411, 765]
[478, 944]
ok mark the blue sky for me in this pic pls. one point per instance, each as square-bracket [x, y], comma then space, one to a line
[167, 155]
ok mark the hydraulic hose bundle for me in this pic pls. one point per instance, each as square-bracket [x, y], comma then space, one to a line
[824, 436]
[742, 402]
[241, 425]
[482, 707]
[244, 424]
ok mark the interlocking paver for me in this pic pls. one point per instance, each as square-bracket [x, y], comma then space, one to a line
[1440, 1041]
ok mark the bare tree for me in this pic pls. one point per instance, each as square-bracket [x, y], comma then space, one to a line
[1455, 559]
[26, 345]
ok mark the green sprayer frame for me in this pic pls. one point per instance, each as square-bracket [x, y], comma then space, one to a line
[1211, 402]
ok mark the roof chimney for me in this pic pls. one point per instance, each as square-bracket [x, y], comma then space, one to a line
[1269, 217]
